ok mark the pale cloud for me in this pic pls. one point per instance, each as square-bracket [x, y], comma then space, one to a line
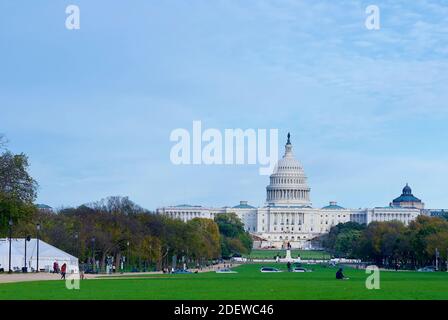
[100, 104]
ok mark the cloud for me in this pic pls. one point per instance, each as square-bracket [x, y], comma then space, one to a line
[100, 104]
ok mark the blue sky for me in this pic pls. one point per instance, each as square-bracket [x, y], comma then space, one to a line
[94, 108]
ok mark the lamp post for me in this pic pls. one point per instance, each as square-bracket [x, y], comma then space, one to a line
[37, 240]
[437, 259]
[25, 268]
[75, 245]
[446, 260]
[93, 253]
[128, 257]
[10, 240]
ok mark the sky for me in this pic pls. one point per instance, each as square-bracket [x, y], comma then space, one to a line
[94, 108]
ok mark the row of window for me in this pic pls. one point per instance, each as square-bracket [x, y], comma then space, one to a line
[397, 215]
[275, 180]
[288, 229]
[287, 222]
[286, 237]
[339, 216]
[188, 213]
[287, 194]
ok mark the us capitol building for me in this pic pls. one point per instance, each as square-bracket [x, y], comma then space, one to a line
[288, 215]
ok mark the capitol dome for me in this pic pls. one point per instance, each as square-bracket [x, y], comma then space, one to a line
[288, 184]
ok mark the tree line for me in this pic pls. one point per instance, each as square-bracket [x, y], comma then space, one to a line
[116, 228]
[113, 230]
[118, 231]
[392, 244]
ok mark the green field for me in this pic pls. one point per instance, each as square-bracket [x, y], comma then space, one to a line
[248, 283]
[304, 254]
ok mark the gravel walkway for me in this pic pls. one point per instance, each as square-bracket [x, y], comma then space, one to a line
[22, 277]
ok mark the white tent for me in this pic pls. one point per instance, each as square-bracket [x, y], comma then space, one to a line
[47, 256]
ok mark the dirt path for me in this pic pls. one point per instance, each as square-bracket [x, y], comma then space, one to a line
[22, 277]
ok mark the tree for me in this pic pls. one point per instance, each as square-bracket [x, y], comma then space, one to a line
[343, 238]
[15, 181]
[391, 243]
[206, 238]
[2, 142]
[234, 239]
[18, 189]
[437, 241]
[426, 233]
[151, 249]
[381, 241]
[346, 242]
[117, 204]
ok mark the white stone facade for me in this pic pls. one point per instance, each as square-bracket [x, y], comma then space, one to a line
[288, 215]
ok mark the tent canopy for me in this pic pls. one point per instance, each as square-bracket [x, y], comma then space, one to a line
[48, 254]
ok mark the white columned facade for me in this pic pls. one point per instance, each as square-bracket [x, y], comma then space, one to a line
[288, 215]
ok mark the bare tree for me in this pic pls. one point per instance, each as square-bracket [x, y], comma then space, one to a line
[3, 141]
[116, 204]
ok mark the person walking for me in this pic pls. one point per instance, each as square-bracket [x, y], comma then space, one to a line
[63, 271]
[55, 267]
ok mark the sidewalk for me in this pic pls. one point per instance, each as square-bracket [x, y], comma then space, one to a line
[22, 277]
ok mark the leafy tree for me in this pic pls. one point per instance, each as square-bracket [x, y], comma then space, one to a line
[15, 181]
[346, 242]
[381, 242]
[115, 222]
[234, 239]
[206, 238]
[424, 233]
[391, 243]
[17, 188]
[437, 241]
[342, 238]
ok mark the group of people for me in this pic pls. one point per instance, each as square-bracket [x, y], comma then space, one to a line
[62, 270]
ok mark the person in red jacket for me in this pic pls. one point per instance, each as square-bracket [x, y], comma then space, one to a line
[63, 271]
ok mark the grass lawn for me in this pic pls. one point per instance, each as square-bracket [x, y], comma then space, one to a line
[248, 283]
[304, 254]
